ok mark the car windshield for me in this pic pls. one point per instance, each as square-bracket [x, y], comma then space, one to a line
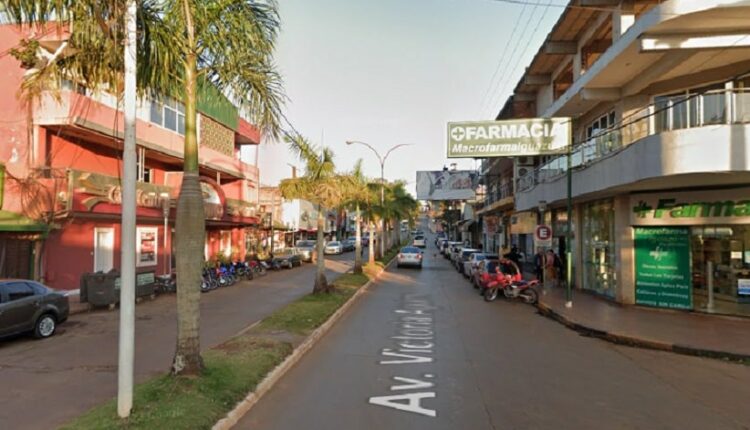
[334, 243]
[479, 257]
[305, 243]
[490, 266]
[410, 250]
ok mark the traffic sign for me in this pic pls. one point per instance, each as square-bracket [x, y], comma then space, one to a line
[543, 236]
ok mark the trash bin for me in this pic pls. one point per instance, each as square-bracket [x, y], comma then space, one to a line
[103, 289]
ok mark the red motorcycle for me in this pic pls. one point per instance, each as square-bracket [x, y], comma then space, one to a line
[508, 279]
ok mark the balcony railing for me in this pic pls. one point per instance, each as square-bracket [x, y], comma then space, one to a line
[502, 192]
[666, 114]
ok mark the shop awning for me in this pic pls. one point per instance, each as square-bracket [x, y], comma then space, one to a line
[11, 221]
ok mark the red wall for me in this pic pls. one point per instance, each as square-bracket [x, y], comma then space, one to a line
[69, 253]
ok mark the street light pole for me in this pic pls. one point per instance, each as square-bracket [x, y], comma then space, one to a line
[126, 351]
[382, 183]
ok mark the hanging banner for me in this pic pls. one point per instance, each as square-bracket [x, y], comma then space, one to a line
[509, 138]
[662, 267]
[446, 185]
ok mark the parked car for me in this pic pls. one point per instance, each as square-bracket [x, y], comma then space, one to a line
[30, 307]
[409, 256]
[350, 244]
[334, 247]
[463, 256]
[420, 241]
[287, 258]
[471, 264]
[446, 250]
[484, 274]
[306, 250]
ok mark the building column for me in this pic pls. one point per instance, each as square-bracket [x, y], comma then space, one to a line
[624, 250]
[578, 238]
[622, 19]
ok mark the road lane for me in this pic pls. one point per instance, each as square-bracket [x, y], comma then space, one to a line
[46, 383]
[494, 366]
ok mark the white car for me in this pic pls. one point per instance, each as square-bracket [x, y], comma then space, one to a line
[471, 264]
[409, 256]
[334, 247]
[420, 242]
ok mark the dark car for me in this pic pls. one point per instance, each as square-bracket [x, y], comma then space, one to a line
[30, 307]
[287, 258]
[350, 244]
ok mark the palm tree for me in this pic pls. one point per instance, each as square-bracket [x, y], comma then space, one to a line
[319, 185]
[357, 196]
[224, 43]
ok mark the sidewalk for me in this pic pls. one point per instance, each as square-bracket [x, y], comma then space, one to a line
[676, 331]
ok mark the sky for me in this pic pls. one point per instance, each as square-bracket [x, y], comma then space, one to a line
[394, 72]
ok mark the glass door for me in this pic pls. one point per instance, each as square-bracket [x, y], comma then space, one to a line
[104, 245]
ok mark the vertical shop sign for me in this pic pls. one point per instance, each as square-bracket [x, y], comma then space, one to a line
[662, 267]
[146, 246]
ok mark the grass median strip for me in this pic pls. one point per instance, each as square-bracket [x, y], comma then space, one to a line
[233, 369]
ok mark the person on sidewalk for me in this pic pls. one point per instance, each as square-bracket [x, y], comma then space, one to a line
[539, 264]
[550, 268]
[514, 256]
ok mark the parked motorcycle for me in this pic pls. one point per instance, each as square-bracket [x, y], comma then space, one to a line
[257, 268]
[508, 279]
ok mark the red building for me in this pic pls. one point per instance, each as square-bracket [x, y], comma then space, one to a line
[61, 168]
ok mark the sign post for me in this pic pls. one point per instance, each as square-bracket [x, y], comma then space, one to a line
[543, 236]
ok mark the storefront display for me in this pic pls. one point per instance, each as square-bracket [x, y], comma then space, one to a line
[599, 271]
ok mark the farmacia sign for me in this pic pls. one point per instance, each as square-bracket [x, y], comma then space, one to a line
[688, 208]
[534, 136]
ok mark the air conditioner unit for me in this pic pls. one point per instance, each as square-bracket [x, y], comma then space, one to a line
[520, 171]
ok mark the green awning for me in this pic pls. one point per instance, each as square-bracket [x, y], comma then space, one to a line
[11, 221]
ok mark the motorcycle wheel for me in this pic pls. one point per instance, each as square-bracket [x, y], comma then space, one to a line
[249, 275]
[205, 286]
[490, 294]
[530, 296]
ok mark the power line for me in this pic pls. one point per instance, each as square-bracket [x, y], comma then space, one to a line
[500, 62]
[503, 75]
[525, 49]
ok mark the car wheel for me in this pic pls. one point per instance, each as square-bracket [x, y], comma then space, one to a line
[45, 326]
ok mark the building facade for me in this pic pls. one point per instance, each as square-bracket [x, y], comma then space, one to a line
[658, 96]
[61, 169]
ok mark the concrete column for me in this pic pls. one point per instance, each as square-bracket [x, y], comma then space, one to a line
[624, 251]
[577, 65]
[622, 19]
[578, 256]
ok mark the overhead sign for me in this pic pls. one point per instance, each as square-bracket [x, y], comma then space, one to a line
[509, 138]
[662, 267]
[728, 206]
[446, 185]
[543, 236]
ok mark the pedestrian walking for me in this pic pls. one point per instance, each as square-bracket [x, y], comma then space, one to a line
[550, 265]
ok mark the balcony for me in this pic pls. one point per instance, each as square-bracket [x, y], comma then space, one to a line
[501, 197]
[95, 117]
[685, 135]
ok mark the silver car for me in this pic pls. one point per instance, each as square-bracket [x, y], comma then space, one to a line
[409, 256]
[334, 247]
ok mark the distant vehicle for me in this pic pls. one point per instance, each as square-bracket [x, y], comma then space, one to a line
[349, 244]
[409, 256]
[463, 256]
[334, 247]
[306, 250]
[420, 241]
[446, 250]
[365, 239]
[30, 307]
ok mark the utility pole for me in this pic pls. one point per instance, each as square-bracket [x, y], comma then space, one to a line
[127, 259]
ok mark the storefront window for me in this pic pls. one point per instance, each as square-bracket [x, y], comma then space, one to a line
[599, 273]
[728, 248]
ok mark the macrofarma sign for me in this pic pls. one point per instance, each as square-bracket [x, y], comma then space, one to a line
[509, 138]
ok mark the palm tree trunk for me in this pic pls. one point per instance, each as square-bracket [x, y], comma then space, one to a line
[382, 237]
[190, 228]
[371, 244]
[358, 244]
[321, 283]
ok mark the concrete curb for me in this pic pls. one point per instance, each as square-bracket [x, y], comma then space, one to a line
[244, 406]
[637, 342]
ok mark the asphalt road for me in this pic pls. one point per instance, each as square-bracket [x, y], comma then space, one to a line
[44, 384]
[493, 365]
